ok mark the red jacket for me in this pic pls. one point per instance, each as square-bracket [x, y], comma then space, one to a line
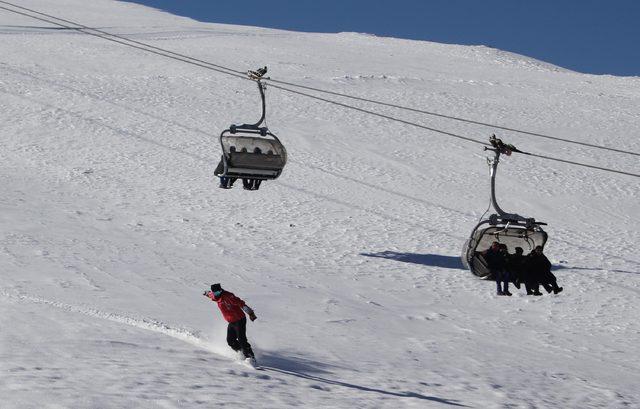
[230, 306]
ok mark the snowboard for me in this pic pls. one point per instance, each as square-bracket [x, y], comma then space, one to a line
[250, 363]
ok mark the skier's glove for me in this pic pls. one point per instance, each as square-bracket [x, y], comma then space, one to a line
[205, 293]
[249, 311]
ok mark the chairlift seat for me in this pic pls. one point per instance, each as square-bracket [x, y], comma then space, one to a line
[248, 156]
[510, 229]
[255, 161]
[513, 236]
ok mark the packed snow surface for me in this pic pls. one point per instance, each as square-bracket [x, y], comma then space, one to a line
[112, 224]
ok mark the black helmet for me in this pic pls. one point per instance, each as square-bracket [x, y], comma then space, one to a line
[216, 287]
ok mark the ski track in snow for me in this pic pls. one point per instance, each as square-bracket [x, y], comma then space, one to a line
[142, 323]
[316, 382]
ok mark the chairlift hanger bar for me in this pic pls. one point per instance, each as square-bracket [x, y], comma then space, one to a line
[257, 76]
[499, 147]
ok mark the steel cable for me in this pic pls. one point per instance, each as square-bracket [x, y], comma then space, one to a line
[238, 74]
[339, 94]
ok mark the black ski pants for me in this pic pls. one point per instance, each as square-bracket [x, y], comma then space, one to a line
[502, 277]
[237, 337]
[548, 281]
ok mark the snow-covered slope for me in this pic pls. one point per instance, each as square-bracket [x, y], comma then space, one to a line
[111, 224]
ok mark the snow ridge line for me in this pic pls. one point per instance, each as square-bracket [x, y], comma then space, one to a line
[143, 323]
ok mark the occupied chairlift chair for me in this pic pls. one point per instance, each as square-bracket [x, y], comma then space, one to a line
[249, 151]
[508, 228]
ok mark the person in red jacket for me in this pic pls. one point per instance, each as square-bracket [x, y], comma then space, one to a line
[233, 310]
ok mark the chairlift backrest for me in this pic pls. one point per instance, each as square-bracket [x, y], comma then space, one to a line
[247, 156]
[511, 236]
[243, 143]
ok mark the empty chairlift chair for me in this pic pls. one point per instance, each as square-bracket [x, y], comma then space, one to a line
[250, 152]
[508, 228]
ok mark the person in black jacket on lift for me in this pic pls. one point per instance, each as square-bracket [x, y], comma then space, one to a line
[540, 269]
[496, 258]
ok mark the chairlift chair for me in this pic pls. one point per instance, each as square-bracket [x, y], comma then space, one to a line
[508, 228]
[250, 152]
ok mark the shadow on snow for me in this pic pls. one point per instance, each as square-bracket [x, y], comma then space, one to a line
[309, 370]
[434, 260]
[454, 262]
[563, 267]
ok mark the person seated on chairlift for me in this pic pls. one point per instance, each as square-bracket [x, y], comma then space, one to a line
[540, 270]
[251, 184]
[505, 275]
[226, 182]
[496, 261]
[248, 183]
[518, 271]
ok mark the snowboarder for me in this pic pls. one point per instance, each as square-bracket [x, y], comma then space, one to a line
[233, 310]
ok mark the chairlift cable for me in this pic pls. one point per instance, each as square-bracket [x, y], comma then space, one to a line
[235, 73]
[391, 118]
[450, 133]
[83, 27]
[455, 118]
[340, 94]
[119, 40]
[586, 165]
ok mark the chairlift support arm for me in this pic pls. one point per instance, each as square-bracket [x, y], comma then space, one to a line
[257, 76]
[498, 148]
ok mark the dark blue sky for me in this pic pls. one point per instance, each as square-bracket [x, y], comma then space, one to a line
[593, 36]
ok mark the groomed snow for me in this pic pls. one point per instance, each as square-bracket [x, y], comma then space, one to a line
[112, 225]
